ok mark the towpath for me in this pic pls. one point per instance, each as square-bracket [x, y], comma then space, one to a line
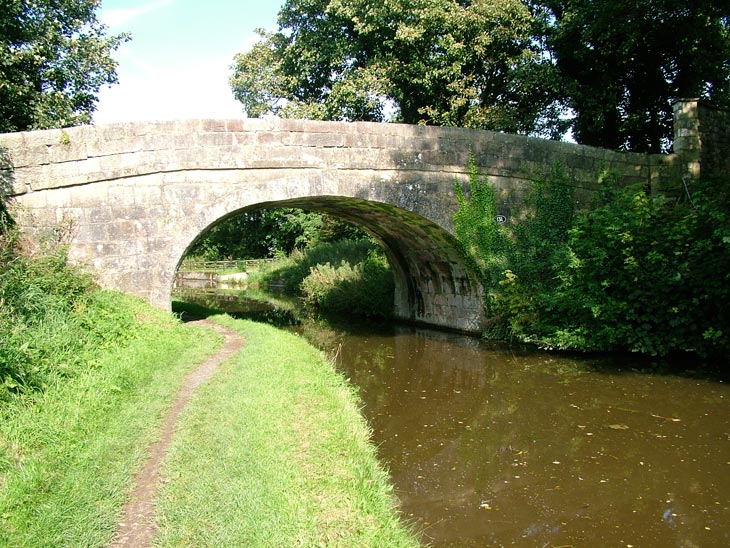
[137, 526]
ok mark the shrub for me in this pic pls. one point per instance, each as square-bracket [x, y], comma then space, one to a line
[650, 274]
[365, 289]
[52, 317]
[634, 272]
[292, 270]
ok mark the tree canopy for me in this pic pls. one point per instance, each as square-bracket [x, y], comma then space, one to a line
[608, 71]
[469, 64]
[269, 232]
[54, 57]
[622, 63]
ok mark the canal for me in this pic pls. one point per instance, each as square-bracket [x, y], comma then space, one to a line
[495, 446]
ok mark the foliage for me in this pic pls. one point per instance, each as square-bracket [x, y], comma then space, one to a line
[440, 62]
[54, 58]
[539, 251]
[292, 270]
[270, 232]
[365, 289]
[634, 272]
[621, 64]
[51, 316]
[608, 71]
[533, 250]
[350, 276]
[651, 275]
[485, 242]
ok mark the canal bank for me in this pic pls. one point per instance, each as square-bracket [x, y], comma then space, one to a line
[271, 451]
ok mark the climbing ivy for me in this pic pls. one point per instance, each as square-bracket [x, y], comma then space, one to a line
[633, 272]
[485, 242]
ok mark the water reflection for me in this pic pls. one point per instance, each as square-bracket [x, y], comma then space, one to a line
[499, 447]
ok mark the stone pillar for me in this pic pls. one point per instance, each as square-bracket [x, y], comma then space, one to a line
[702, 139]
[687, 138]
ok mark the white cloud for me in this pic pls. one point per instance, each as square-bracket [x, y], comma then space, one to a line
[249, 43]
[121, 16]
[189, 91]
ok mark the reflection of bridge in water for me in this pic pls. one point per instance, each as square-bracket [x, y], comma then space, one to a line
[140, 195]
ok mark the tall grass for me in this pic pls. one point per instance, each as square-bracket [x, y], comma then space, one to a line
[347, 276]
[365, 289]
[53, 320]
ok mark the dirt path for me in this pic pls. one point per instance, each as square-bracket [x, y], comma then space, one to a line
[137, 526]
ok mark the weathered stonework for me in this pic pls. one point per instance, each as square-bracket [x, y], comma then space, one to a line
[702, 139]
[140, 194]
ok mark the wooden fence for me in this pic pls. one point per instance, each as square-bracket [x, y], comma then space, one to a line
[241, 265]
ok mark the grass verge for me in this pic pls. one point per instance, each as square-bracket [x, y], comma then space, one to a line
[273, 452]
[68, 453]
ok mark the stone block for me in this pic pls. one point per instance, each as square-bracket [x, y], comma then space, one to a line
[89, 195]
[102, 214]
[147, 195]
[121, 195]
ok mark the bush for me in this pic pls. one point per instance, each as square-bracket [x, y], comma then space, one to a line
[292, 270]
[649, 274]
[351, 276]
[365, 289]
[52, 317]
[634, 272]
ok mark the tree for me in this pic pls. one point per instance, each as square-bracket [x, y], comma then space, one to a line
[622, 63]
[443, 62]
[266, 232]
[54, 58]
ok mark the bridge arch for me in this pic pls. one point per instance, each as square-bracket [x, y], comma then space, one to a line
[432, 283]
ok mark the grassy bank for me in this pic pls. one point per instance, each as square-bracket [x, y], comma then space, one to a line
[86, 377]
[68, 450]
[273, 452]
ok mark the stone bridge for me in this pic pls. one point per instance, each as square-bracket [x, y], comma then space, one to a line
[139, 195]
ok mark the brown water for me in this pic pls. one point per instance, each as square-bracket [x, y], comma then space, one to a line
[498, 447]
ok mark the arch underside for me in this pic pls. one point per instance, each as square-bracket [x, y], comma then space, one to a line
[433, 285]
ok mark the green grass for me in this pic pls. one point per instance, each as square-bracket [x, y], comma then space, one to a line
[273, 452]
[68, 452]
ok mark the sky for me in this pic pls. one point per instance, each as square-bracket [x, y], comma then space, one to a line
[178, 62]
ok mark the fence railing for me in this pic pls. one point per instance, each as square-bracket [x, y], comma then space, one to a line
[242, 265]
